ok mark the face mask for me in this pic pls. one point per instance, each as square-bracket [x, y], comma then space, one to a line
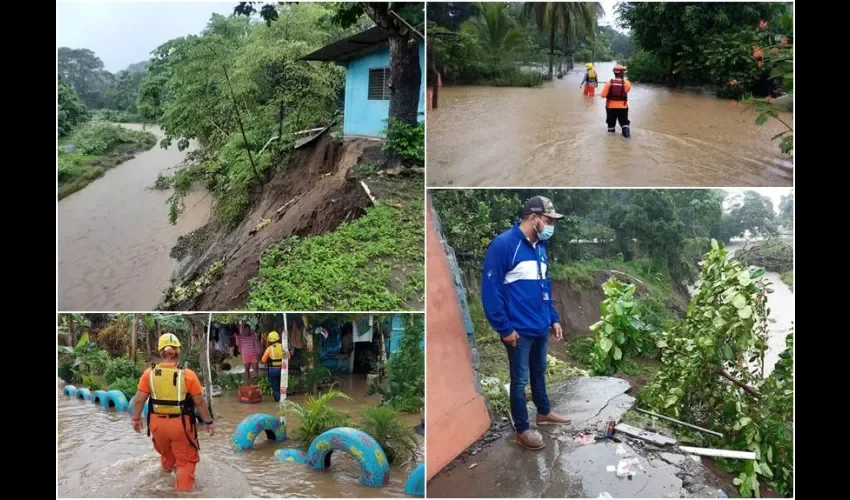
[546, 233]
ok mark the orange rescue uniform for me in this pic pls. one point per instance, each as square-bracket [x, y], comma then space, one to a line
[616, 104]
[170, 437]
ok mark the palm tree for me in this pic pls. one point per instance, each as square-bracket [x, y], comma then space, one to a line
[495, 29]
[572, 16]
[577, 17]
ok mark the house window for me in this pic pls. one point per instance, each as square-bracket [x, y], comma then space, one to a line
[379, 84]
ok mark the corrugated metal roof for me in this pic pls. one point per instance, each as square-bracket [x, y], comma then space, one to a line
[351, 47]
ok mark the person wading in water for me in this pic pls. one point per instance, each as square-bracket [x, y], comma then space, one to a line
[590, 80]
[616, 95]
[174, 394]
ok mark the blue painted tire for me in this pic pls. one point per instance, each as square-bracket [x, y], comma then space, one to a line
[84, 394]
[116, 399]
[291, 455]
[100, 398]
[255, 424]
[70, 391]
[374, 468]
[415, 485]
[130, 407]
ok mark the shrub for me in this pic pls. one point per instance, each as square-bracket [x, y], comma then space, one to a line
[127, 385]
[121, 368]
[406, 140]
[91, 383]
[396, 438]
[646, 67]
[317, 416]
[68, 374]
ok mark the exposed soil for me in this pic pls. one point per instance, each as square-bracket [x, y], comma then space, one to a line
[310, 196]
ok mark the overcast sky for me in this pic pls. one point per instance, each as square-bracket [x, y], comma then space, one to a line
[773, 193]
[124, 32]
[608, 20]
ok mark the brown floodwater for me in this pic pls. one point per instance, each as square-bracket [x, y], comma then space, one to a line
[114, 235]
[554, 136]
[100, 456]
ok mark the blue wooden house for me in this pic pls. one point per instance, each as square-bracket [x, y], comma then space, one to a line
[366, 58]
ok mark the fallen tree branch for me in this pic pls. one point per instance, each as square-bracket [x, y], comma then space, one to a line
[368, 193]
[737, 382]
[628, 275]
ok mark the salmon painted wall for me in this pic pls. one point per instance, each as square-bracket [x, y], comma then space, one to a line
[456, 414]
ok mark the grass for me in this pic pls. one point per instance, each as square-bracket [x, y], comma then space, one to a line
[374, 263]
[100, 146]
[788, 278]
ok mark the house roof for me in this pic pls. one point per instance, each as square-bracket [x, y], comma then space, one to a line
[351, 47]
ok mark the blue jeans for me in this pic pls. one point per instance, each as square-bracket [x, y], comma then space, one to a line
[274, 381]
[528, 358]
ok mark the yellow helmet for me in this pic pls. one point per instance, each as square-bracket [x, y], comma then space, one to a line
[273, 337]
[168, 340]
[588, 65]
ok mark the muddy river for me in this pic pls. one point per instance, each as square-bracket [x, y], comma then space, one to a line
[114, 235]
[99, 455]
[555, 136]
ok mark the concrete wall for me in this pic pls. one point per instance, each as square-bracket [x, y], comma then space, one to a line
[365, 117]
[456, 413]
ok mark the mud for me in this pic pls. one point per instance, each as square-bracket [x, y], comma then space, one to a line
[317, 198]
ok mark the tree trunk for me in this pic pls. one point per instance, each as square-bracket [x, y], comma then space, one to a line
[551, 49]
[405, 84]
[241, 127]
[133, 337]
[72, 332]
[148, 339]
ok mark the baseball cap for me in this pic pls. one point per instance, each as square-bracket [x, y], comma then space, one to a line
[541, 205]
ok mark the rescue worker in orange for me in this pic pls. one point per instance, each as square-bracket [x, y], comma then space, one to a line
[274, 358]
[590, 80]
[174, 394]
[616, 95]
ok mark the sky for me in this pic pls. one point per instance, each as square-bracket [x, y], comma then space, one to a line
[125, 32]
[608, 20]
[775, 194]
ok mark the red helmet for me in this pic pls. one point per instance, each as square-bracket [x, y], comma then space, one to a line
[619, 68]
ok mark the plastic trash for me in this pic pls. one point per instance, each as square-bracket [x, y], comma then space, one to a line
[722, 494]
[628, 467]
[604, 494]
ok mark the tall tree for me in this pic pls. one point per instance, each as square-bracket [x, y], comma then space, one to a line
[399, 20]
[751, 213]
[83, 70]
[571, 17]
[451, 15]
[72, 111]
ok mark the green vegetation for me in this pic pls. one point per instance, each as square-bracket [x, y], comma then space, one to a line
[405, 371]
[72, 111]
[316, 415]
[620, 332]
[505, 44]
[773, 255]
[788, 278]
[395, 437]
[99, 146]
[406, 141]
[711, 374]
[374, 262]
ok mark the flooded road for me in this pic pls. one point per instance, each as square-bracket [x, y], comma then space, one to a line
[99, 455]
[114, 235]
[555, 136]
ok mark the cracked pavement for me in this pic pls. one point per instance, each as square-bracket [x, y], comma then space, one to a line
[565, 468]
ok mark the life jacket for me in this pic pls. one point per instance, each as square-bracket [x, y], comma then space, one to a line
[617, 91]
[275, 355]
[591, 76]
[169, 397]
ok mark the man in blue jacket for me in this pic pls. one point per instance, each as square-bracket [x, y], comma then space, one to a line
[517, 299]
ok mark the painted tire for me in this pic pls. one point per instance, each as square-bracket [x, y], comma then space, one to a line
[117, 400]
[69, 391]
[129, 408]
[84, 394]
[415, 485]
[253, 425]
[374, 468]
[101, 398]
[291, 455]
